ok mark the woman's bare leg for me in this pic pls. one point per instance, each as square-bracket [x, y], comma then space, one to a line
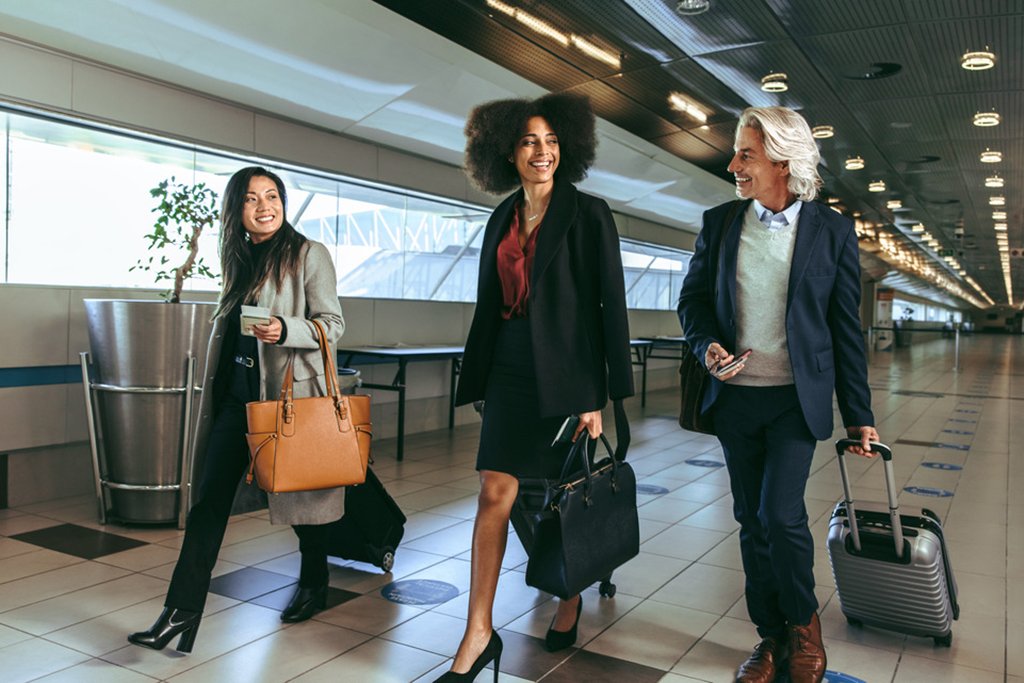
[490, 533]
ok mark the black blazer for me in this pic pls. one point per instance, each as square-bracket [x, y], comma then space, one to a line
[577, 307]
[826, 348]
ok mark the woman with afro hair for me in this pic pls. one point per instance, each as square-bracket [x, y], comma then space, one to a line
[550, 336]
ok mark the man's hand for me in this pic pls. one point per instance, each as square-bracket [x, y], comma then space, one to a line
[716, 356]
[866, 436]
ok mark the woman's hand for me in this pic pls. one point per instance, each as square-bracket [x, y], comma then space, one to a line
[269, 333]
[591, 422]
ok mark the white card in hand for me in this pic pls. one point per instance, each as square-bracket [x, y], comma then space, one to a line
[254, 315]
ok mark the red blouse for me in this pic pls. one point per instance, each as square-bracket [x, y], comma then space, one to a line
[515, 264]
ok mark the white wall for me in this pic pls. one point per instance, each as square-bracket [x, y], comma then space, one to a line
[43, 428]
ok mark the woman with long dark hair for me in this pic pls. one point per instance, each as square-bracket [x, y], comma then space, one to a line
[550, 336]
[265, 262]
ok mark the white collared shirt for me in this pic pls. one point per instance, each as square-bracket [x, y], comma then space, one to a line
[780, 220]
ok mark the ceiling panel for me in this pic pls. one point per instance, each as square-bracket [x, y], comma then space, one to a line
[815, 17]
[899, 121]
[944, 42]
[845, 60]
[742, 69]
[928, 10]
[684, 144]
[733, 24]
[612, 105]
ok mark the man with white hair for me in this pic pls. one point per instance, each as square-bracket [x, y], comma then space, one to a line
[778, 274]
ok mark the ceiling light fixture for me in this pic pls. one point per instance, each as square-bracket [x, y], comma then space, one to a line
[894, 204]
[679, 102]
[991, 157]
[978, 61]
[822, 132]
[876, 186]
[917, 228]
[997, 200]
[986, 119]
[993, 181]
[1000, 227]
[588, 48]
[775, 82]
[999, 215]
[854, 164]
[689, 8]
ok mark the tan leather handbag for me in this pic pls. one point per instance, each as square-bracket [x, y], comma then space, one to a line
[307, 444]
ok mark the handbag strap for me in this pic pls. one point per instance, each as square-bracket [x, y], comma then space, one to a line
[330, 374]
[580, 448]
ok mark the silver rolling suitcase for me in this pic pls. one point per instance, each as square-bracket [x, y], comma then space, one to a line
[891, 566]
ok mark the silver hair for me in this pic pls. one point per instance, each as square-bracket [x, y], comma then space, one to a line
[787, 137]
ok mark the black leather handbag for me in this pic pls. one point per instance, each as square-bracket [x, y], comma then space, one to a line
[589, 524]
[694, 379]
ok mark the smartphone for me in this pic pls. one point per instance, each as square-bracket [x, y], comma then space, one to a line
[567, 430]
[736, 362]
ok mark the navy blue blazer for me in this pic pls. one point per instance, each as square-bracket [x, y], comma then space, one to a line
[577, 307]
[826, 348]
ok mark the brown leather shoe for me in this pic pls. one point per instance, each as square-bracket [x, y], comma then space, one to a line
[763, 664]
[807, 660]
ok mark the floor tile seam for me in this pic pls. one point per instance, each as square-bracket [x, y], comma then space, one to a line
[53, 569]
[281, 629]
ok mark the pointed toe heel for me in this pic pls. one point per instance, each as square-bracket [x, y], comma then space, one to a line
[491, 653]
[171, 623]
[559, 640]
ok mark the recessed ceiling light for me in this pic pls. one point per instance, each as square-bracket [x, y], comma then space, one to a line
[999, 215]
[986, 119]
[991, 157]
[691, 7]
[833, 200]
[854, 164]
[822, 132]
[978, 61]
[876, 186]
[894, 204]
[775, 82]
[917, 228]
[993, 181]
[997, 200]
[1000, 227]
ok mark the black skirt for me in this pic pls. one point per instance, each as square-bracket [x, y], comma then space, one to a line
[514, 438]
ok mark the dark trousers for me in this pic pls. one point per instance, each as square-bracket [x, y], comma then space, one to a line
[225, 463]
[768, 450]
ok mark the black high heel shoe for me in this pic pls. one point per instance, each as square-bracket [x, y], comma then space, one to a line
[559, 640]
[305, 603]
[170, 623]
[491, 653]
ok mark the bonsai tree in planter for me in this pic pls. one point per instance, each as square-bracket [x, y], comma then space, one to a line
[183, 211]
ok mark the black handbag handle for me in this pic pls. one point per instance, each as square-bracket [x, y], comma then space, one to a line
[580, 447]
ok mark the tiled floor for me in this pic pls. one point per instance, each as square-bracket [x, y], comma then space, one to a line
[68, 595]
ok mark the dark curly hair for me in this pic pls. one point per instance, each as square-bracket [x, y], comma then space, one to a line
[494, 128]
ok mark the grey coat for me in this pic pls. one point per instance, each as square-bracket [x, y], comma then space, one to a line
[310, 294]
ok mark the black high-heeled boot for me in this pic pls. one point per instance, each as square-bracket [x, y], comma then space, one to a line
[305, 603]
[559, 640]
[170, 623]
[491, 653]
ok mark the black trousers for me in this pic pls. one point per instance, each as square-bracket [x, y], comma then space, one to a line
[768, 450]
[227, 457]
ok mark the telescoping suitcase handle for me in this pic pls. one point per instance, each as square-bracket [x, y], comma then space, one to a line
[890, 490]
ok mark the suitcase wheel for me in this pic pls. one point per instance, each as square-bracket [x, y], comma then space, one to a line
[944, 641]
[607, 589]
[854, 622]
[387, 559]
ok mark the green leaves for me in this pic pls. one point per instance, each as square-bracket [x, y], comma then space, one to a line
[183, 211]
